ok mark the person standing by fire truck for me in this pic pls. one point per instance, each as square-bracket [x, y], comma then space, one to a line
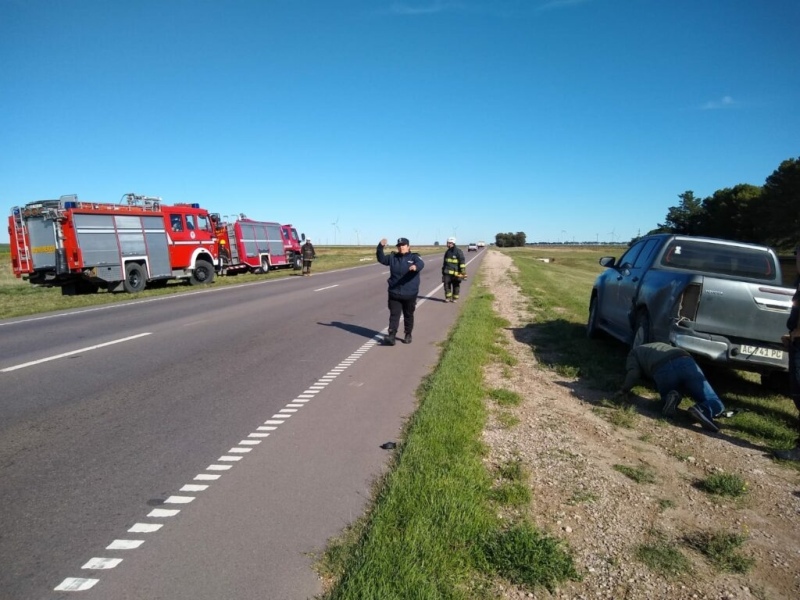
[454, 269]
[309, 254]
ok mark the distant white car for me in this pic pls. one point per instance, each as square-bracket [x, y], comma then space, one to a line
[472, 246]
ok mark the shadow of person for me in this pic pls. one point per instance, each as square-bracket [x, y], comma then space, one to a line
[356, 329]
[650, 408]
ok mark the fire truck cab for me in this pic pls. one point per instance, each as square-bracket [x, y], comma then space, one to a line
[83, 247]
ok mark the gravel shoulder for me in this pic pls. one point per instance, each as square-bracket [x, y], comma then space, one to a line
[569, 450]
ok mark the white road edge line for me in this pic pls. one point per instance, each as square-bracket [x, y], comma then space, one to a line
[57, 356]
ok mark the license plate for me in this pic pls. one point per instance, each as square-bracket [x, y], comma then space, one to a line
[763, 352]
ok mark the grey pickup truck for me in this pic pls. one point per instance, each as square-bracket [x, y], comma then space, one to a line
[720, 300]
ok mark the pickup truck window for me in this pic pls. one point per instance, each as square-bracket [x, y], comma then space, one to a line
[646, 253]
[629, 258]
[735, 261]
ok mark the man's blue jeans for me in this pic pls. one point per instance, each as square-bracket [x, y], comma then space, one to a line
[683, 374]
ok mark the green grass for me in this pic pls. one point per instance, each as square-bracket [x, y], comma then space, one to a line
[433, 531]
[722, 550]
[527, 557]
[624, 417]
[582, 497]
[663, 557]
[505, 397]
[665, 503]
[507, 420]
[725, 484]
[640, 474]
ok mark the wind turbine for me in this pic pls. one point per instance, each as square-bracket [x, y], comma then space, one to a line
[612, 233]
[335, 229]
[358, 240]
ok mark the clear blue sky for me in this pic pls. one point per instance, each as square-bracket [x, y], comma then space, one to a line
[565, 119]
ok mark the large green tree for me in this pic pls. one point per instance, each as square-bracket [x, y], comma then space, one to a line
[780, 220]
[732, 213]
[684, 218]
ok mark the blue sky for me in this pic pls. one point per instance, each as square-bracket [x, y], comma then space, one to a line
[361, 119]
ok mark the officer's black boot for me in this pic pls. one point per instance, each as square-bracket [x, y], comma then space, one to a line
[407, 339]
[389, 339]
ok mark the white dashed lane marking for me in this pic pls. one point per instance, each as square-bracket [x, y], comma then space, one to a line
[234, 455]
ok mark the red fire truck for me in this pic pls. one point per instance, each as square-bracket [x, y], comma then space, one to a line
[256, 246]
[83, 247]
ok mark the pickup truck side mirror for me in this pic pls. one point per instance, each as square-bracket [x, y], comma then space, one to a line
[608, 261]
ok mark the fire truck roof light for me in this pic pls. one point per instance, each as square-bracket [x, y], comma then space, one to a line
[195, 205]
[70, 204]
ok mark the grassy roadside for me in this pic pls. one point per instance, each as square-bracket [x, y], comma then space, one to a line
[19, 298]
[433, 531]
[558, 293]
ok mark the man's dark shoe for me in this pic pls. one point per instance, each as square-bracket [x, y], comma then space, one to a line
[671, 404]
[389, 339]
[407, 339]
[698, 416]
[793, 454]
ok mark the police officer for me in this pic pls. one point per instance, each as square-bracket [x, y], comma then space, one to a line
[454, 269]
[404, 267]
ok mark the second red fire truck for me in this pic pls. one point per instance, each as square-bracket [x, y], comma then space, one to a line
[83, 247]
[256, 246]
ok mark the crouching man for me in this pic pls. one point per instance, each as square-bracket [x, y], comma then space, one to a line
[674, 372]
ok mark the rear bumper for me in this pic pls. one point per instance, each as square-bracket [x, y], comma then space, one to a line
[722, 350]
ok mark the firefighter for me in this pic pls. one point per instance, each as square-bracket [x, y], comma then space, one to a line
[454, 269]
[224, 252]
[309, 254]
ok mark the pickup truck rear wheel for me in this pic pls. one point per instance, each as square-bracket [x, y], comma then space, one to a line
[203, 273]
[591, 324]
[641, 334]
[135, 279]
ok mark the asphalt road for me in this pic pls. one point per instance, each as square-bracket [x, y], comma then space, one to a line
[203, 445]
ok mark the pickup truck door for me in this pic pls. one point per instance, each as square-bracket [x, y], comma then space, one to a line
[626, 285]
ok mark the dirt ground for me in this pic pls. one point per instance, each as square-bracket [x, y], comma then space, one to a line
[569, 450]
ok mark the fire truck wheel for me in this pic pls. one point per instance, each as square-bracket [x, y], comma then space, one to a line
[265, 265]
[203, 273]
[135, 279]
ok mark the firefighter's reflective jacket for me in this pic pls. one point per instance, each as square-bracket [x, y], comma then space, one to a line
[454, 263]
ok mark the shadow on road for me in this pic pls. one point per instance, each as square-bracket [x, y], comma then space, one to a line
[349, 327]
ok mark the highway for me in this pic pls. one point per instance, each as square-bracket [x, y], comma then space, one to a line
[205, 444]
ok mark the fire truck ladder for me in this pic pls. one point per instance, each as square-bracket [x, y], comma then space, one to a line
[233, 246]
[20, 241]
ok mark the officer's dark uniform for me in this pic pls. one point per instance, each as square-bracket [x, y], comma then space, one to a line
[403, 288]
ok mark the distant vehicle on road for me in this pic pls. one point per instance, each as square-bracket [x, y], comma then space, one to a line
[720, 300]
[472, 247]
[481, 244]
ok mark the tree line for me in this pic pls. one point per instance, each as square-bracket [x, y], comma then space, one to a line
[767, 214]
[510, 240]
